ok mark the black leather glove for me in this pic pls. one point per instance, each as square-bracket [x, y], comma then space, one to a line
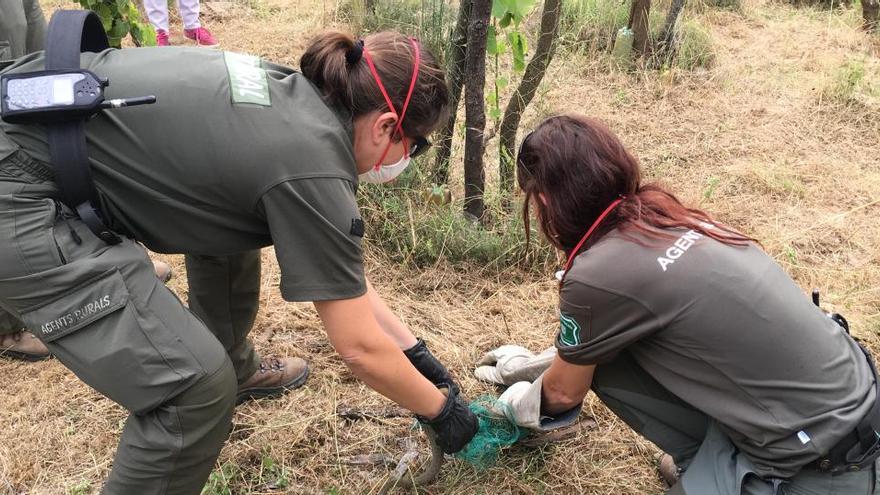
[429, 366]
[455, 426]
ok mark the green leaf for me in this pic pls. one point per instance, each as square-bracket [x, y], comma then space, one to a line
[492, 42]
[149, 36]
[505, 21]
[133, 14]
[495, 113]
[143, 33]
[122, 6]
[501, 82]
[120, 29]
[106, 16]
[500, 7]
[518, 47]
[521, 8]
[114, 42]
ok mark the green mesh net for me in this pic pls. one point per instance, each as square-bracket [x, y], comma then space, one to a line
[494, 432]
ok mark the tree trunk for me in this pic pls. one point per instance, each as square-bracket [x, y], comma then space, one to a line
[871, 15]
[525, 92]
[667, 44]
[638, 22]
[455, 73]
[474, 107]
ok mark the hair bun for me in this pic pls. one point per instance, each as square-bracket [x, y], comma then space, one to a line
[354, 54]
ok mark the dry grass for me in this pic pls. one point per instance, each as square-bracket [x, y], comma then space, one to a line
[753, 140]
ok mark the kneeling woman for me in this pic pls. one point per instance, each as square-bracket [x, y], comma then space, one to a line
[690, 333]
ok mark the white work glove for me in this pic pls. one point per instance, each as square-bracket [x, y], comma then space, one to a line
[510, 364]
[522, 405]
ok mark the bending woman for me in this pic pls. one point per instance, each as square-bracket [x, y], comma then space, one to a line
[689, 332]
[237, 154]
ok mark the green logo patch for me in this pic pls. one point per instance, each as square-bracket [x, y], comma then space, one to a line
[247, 80]
[569, 330]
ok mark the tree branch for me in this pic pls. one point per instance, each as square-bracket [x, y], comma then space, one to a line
[524, 93]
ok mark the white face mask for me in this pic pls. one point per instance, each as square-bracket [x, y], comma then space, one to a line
[385, 173]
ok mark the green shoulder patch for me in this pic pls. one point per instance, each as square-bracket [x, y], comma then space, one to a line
[248, 82]
[569, 330]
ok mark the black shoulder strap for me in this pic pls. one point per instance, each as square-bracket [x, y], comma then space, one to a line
[70, 33]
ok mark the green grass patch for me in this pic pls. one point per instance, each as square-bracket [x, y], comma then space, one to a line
[695, 48]
[591, 26]
[83, 487]
[431, 21]
[414, 223]
[704, 5]
[222, 481]
[850, 84]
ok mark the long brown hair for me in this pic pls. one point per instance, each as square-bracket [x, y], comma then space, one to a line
[575, 167]
[348, 82]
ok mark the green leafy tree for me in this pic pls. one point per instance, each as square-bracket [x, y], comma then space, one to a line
[504, 34]
[121, 18]
[532, 75]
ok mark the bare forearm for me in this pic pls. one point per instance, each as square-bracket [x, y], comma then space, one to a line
[375, 358]
[386, 370]
[390, 323]
[564, 386]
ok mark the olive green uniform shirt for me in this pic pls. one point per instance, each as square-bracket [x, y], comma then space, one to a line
[236, 154]
[725, 329]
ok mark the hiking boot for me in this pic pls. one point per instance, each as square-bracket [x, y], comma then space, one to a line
[274, 378]
[201, 36]
[668, 470]
[23, 346]
[162, 38]
[163, 271]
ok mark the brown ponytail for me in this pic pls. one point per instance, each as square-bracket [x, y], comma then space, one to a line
[351, 85]
[580, 167]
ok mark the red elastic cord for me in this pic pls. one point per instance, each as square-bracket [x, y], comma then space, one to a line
[417, 54]
[586, 236]
[412, 85]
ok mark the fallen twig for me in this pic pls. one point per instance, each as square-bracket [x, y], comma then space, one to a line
[354, 413]
[368, 460]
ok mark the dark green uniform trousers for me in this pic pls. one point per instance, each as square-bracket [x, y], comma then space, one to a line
[22, 28]
[103, 313]
[224, 291]
[711, 463]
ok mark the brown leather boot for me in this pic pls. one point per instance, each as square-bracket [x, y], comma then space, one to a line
[23, 346]
[274, 378]
[668, 470]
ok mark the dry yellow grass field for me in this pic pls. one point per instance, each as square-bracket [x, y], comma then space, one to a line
[759, 139]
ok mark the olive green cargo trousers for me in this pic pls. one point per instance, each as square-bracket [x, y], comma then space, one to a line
[103, 313]
[711, 463]
[22, 28]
